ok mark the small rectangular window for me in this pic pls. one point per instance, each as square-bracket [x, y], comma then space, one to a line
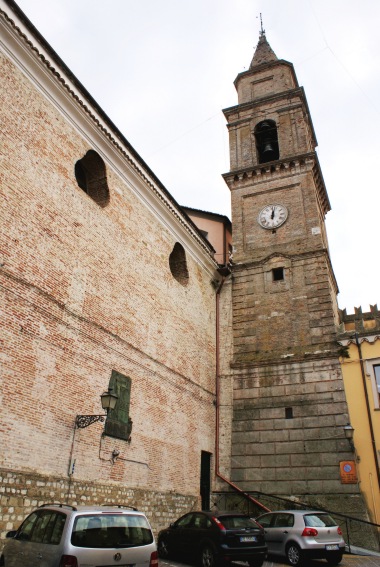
[278, 274]
[288, 413]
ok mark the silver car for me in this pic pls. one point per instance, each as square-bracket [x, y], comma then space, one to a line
[59, 535]
[303, 534]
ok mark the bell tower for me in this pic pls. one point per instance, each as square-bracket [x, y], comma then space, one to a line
[279, 203]
[289, 405]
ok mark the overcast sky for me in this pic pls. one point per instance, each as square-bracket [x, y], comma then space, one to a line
[163, 70]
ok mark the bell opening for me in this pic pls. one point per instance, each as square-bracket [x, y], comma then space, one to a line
[267, 141]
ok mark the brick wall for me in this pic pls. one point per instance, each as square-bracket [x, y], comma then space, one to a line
[290, 318]
[87, 289]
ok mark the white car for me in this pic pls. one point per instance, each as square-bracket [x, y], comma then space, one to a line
[59, 535]
[299, 535]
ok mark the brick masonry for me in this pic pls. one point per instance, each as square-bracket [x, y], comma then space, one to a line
[87, 289]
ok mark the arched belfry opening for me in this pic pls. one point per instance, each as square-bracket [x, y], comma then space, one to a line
[267, 141]
[90, 173]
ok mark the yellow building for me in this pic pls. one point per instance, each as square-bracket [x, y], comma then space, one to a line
[360, 335]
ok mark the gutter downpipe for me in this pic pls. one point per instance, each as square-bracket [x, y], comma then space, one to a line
[368, 408]
[217, 414]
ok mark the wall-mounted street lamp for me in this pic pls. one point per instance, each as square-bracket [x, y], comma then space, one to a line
[349, 433]
[108, 400]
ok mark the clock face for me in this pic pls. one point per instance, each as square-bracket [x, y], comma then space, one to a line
[272, 216]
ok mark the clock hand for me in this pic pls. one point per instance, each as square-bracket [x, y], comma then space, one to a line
[272, 215]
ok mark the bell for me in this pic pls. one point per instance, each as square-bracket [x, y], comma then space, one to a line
[268, 151]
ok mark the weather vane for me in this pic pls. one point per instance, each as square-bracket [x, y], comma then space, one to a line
[262, 30]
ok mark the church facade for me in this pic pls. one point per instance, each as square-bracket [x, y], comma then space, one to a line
[224, 376]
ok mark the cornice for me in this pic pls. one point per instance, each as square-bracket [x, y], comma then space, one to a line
[287, 95]
[325, 355]
[370, 339]
[273, 170]
[299, 256]
[68, 96]
[257, 69]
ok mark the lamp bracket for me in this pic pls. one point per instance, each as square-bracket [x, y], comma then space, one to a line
[83, 421]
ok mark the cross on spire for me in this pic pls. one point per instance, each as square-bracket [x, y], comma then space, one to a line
[262, 30]
[264, 53]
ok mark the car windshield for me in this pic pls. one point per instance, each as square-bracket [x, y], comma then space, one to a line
[111, 530]
[319, 521]
[237, 522]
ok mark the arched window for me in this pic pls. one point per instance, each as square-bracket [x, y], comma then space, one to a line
[267, 141]
[90, 173]
[178, 264]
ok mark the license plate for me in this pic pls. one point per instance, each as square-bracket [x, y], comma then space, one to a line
[332, 547]
[248, 538]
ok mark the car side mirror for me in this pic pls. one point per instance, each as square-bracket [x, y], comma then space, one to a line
[12, 533]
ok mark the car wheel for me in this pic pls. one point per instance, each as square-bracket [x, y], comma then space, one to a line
[208, 558]
[294, 554]
[163, 549]
[334, 558]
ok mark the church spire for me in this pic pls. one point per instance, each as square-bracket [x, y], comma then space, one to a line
[264, 53]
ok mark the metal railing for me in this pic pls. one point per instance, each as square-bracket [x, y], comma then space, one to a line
[357, 533]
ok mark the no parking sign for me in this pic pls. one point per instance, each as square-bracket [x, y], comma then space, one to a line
[348, 472]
